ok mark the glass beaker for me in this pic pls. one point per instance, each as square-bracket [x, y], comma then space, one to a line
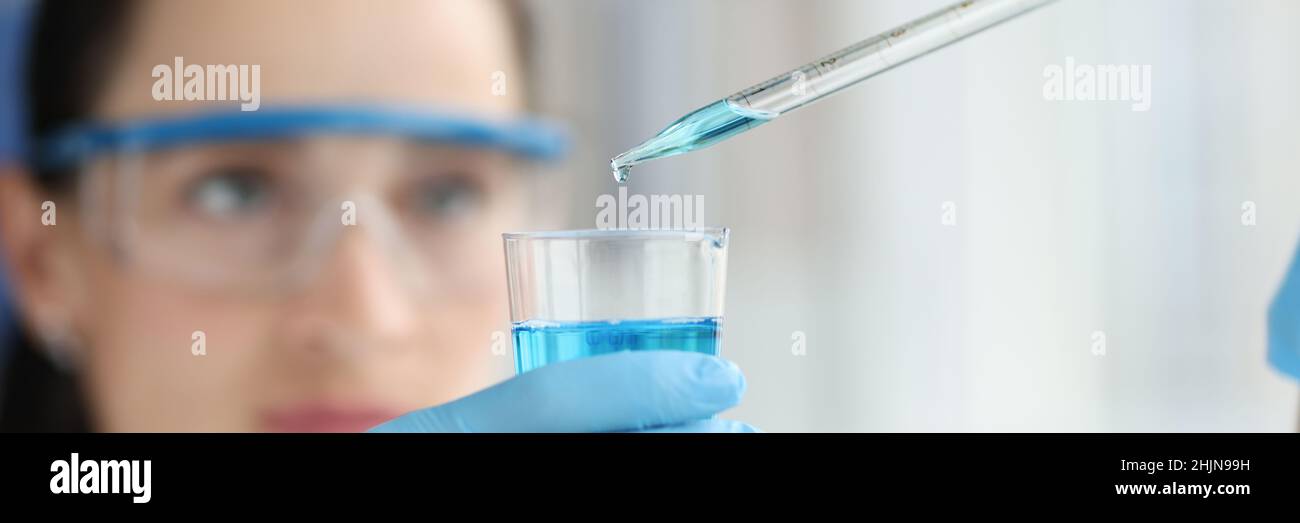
[584, 293]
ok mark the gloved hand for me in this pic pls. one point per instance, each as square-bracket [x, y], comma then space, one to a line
[646, 391]
[1284, 323]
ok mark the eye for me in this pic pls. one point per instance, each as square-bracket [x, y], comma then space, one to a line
[229, 192]
[448, 197]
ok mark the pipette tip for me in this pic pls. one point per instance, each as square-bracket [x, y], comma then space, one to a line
[619, 170]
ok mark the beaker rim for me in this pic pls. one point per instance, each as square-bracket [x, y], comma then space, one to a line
[714, 233]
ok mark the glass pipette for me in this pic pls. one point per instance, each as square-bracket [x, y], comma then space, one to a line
[761, 103]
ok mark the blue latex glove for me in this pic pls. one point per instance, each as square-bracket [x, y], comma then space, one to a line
[648, 391]
[1284, 323]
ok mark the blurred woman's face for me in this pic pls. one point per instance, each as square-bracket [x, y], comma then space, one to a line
[355, 342]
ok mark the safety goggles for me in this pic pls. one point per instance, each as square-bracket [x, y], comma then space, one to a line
[257, 200]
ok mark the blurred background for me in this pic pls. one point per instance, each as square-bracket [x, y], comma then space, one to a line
[1071, 218]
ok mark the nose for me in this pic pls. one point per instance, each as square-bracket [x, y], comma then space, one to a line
[356, 301]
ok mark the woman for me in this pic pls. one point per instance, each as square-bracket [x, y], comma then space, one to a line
[326, 262]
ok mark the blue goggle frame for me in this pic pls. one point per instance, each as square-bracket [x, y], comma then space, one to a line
[75, 145]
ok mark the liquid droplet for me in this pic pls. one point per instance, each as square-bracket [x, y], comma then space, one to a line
[620, 171]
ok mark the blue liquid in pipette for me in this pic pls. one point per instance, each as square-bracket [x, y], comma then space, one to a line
[702, 128]
[539, 343]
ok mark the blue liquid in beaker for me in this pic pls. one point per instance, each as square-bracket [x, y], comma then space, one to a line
[539, 343]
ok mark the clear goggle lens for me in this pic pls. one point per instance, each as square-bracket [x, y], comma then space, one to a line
[267, 214]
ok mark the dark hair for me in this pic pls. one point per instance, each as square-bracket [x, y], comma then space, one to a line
[74, 46]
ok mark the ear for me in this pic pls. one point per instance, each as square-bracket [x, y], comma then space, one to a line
[29, 239]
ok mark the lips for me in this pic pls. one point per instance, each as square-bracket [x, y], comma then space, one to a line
[326, 418]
